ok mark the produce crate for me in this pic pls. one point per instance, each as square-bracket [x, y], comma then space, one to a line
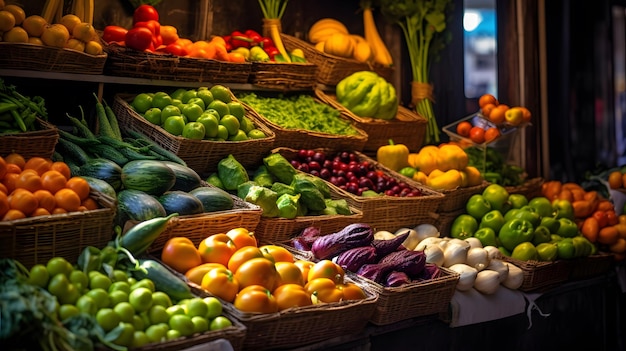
[271, 230]
[406, 128]
[198, 227]
[332, 69]
[306, 139]
[126, 62]
[427, 298]
[590, 266]
[38, 239]
[28, 144]
[443, 220]
[35, 57]
[200, 155]
[539, 275]
[384, 211]
[284, 76]
[300, 326]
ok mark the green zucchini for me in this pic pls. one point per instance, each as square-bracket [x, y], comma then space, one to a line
[69, 150]
[108, 152]
[181, 202]
[156, 147]
[164, 280]
[138, 206]
[150, 176]
[139, 238]
[104, 169]
[213, 199]
[186, 178]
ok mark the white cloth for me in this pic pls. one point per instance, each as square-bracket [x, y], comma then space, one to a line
[472, 307]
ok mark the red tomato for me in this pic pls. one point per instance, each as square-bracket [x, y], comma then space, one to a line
[463, 129]
[174, 49]
[602, 218]
[114, 34]
[139, 38]
[145, 13]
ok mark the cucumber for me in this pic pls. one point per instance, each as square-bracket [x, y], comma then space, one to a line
[150, 176]
[181, 202]
[138, 206]
[101, 186]
[138, 238]
[104, 169]
[213, 199]
[164, 280]
[186, 178]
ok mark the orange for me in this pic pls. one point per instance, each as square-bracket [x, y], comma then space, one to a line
[486, 110]
[3, 167]
[608, 235]
[3, 188]
[39, 211]
[75, 44]
[61, 167]
[15, 35]
[45, 199]
[90, 204]
[463, 129]
[67, 199]
[619, 246]
[526, 115]
[236, 57]
[4, 204]
[9, 181]
[15, 159]
[23, 200]
[13, 214]
[80, 186]
[84, 31]
[7, 21]
[13, 168]
[615, 180]
[17, 12]
[92, 47]
[34, 25]
[169, 34]
[53, 181]
[39, 164]
[29, 180]
[491, 134]
[55, 35]
[497, 114]
[59, 210]
[70, 21]
[487, 99]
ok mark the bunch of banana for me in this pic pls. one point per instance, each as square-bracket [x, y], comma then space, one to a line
[53, 10]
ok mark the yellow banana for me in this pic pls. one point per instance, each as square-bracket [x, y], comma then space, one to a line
[78, 9]
[381, 53]
[50, 9]
[88, 11]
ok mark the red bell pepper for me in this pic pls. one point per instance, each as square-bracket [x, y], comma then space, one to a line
[114, 34]
[155, 28]
[145, 13]
[139, 38]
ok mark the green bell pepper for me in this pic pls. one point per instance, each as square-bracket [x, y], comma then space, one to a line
[547, 251]
[541, 235]
[515, 232]
[492, 219]
[463, 226]
[487, 236]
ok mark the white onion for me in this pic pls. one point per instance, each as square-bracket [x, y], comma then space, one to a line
[434, 254]
[444, 242]
[487, 281]
[515, 278]
[454, 253]
[477, 257]
[474, 242]
[493, 252]
[500, 267]
[427, 242]
[426, 230]
[411, 241]
[383, 235]
[467, 276]
[459, 242]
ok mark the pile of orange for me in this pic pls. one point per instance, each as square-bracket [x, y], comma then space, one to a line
[617, 180]
[476, 133]
[495, 111]
[38, 186]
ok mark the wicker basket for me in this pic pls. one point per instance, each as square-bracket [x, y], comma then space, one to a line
[418, 299]
[200, 155]
[272, 230]
[300, 326]
[332, 69]
[35, 57]
[540, 276]
[384, 212]
[407, 128]
[126, 62]
[198, 227]
[590, 266]
[530, 188]
[28, 144]
[38, 239]
[284, 76]
[306, 139]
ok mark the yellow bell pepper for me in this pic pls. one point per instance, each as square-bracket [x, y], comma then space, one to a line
[393, 156]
